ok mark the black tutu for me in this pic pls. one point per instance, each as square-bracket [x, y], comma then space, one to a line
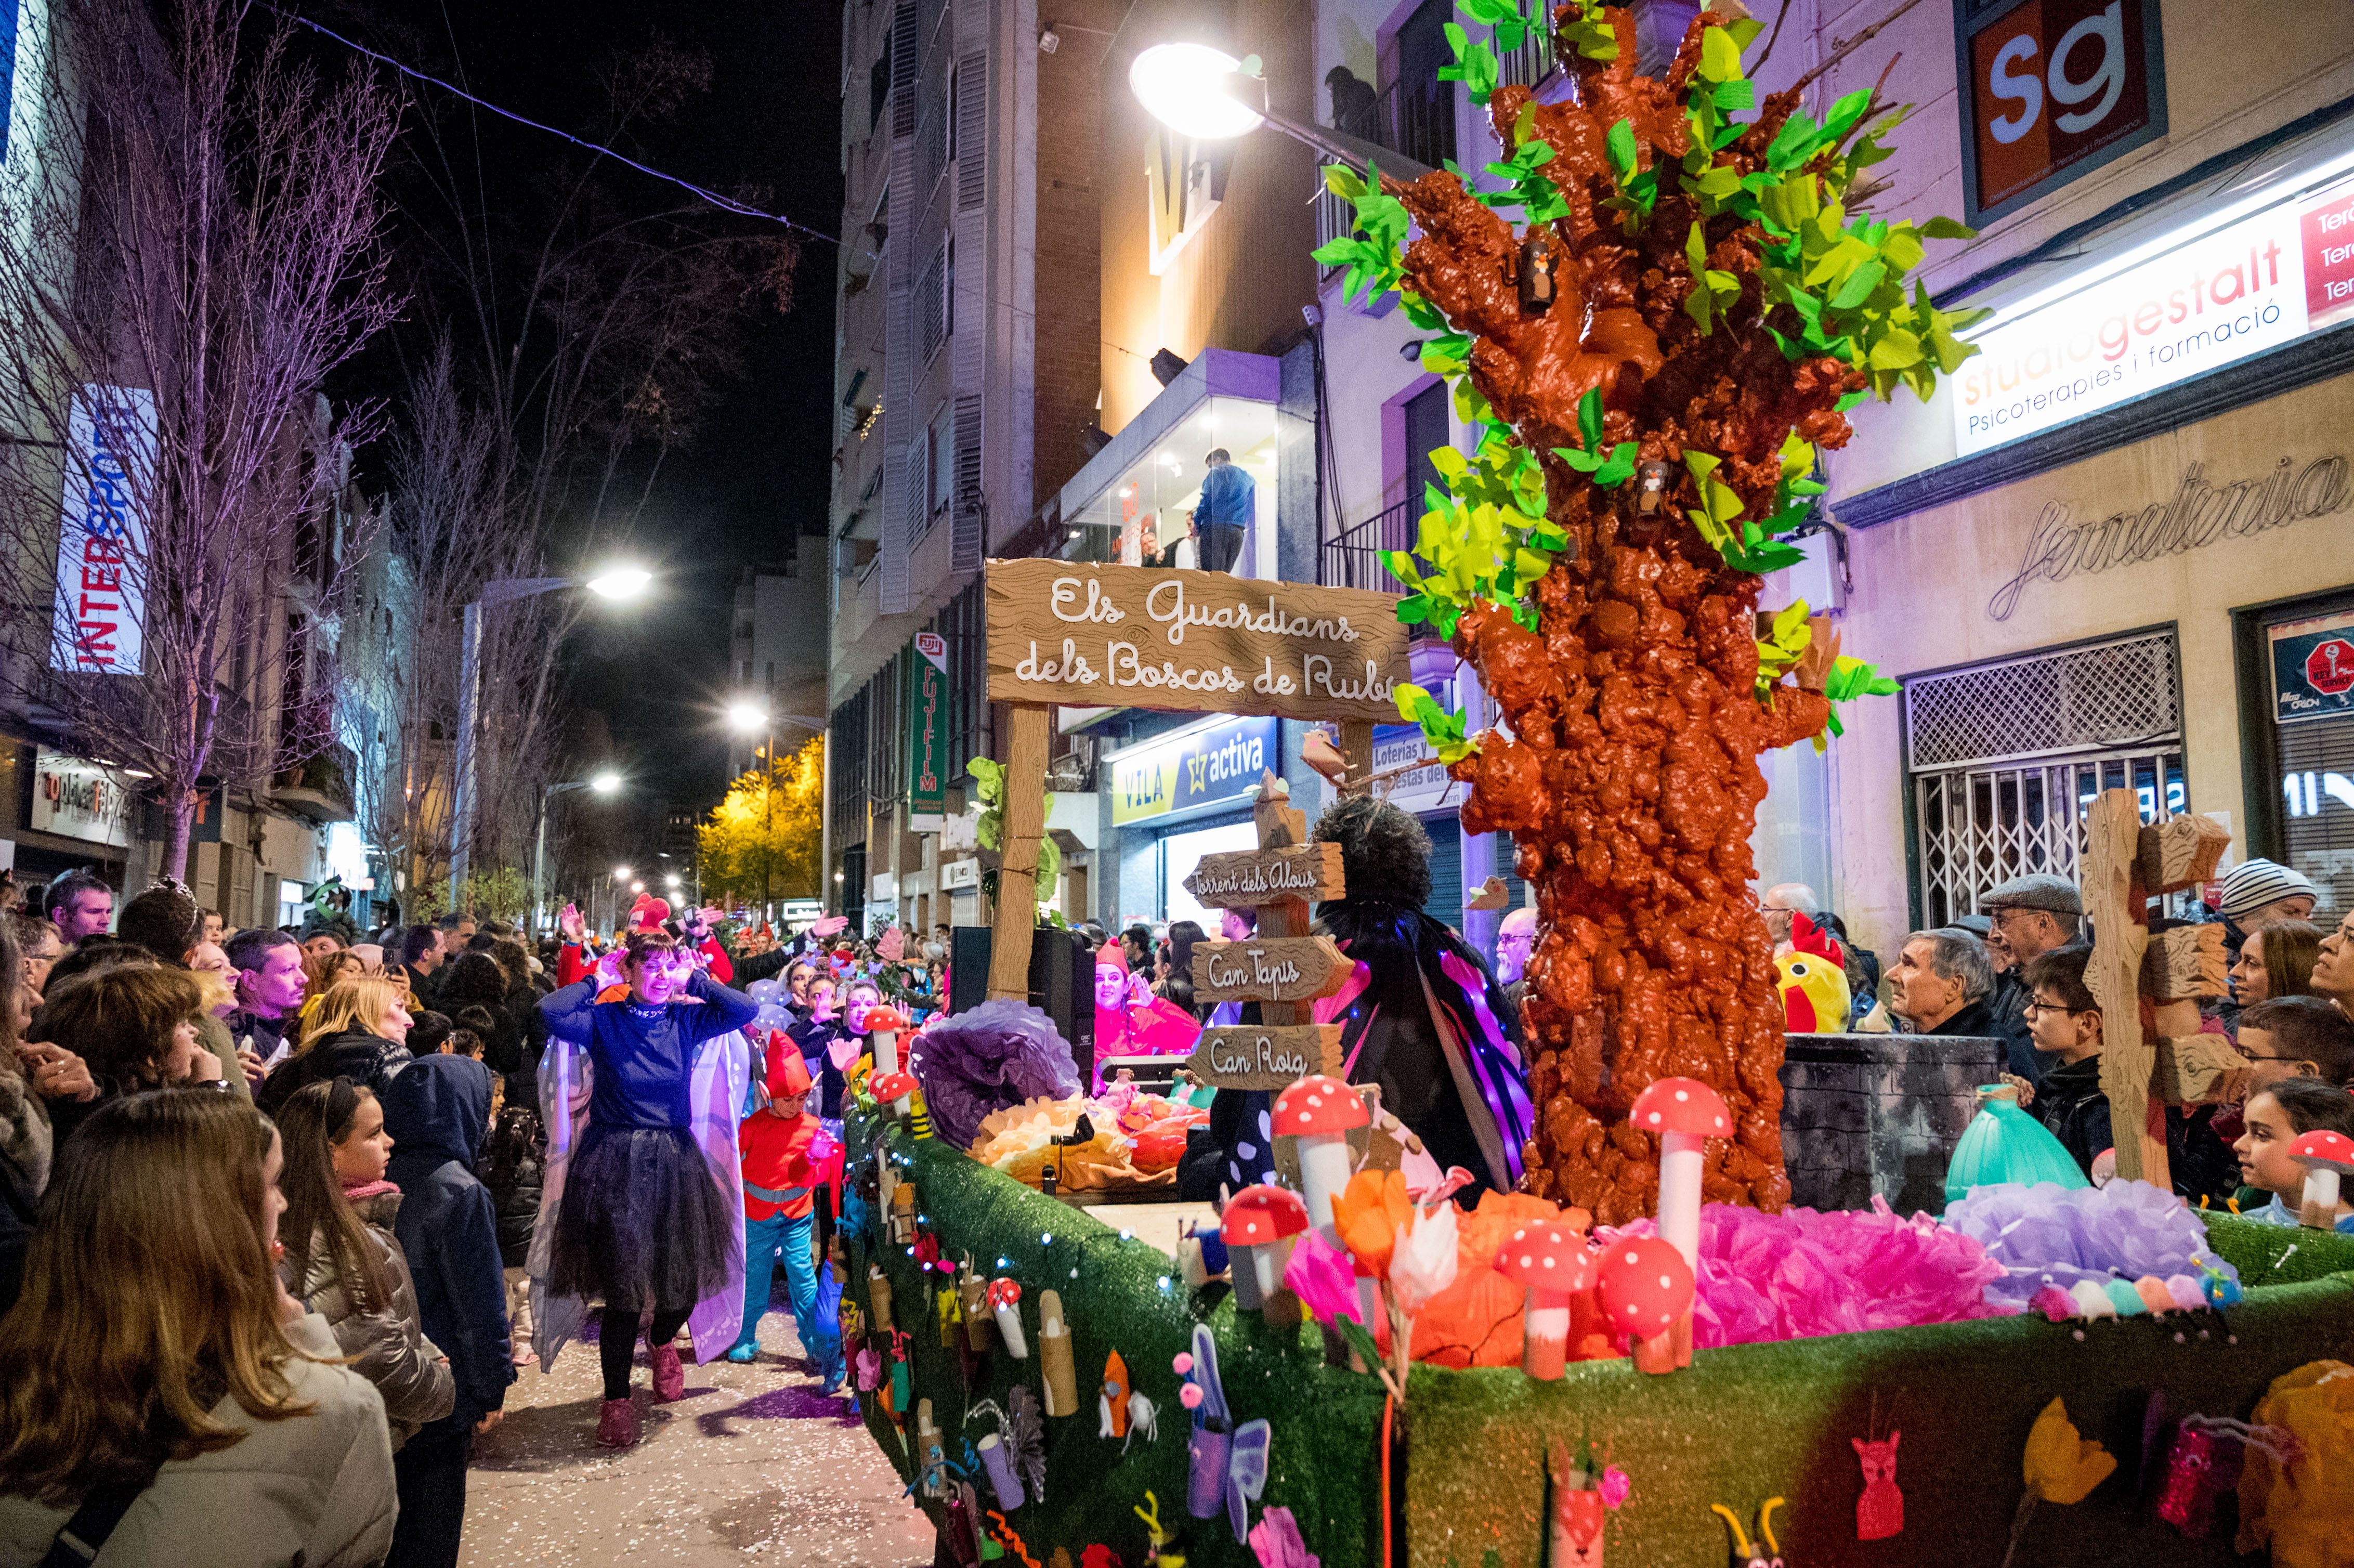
[641, 1224]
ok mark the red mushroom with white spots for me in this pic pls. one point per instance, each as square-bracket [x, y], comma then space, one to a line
[897, 1088]
[2326, 1156]
[1320, 1112]
[884, 1025]
[1685, 1113]
[1257, 1224]
[1645, 1288]
[1553, 1261]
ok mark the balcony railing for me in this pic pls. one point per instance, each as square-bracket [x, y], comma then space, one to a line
[1415, 124]
[1352, 558]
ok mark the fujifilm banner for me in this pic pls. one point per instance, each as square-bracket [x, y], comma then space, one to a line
[102, 544]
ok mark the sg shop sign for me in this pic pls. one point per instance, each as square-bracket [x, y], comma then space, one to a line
[2052, 89]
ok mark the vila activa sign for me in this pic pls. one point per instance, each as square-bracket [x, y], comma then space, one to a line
[1199, 768]
[102, 543]
[1088, 635]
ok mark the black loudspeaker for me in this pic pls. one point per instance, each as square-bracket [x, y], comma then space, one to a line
[1061, 984]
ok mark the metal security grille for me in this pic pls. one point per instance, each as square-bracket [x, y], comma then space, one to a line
[1981, 826]
[2119, 694]
[2007, 758]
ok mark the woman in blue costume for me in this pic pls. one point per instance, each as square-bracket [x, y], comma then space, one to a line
[643, 1203]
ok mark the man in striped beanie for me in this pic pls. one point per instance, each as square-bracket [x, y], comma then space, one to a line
[2261, 892]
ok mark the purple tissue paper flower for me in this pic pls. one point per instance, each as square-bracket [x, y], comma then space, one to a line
[986, 1058]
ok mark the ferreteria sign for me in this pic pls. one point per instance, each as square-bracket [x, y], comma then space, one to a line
[1089, 636]
[2201, 512]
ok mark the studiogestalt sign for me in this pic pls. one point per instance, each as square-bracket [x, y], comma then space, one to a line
[1088, 636]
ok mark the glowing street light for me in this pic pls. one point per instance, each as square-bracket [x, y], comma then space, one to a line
[1209, 96]
[620, 873]
[1184, 87]
[606, 783]
[622, 582]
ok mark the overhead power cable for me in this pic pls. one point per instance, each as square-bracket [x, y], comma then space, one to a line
[702, 192]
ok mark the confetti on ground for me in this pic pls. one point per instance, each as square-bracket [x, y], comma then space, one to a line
[751, 1467]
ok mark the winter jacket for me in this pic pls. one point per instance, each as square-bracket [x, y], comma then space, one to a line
[2070, 1104]
[2006, 1020]
[315, 1489]
[389, 1345]
[260, 1035]
[369, 1060]
[514, 1183]
[438, 1110]
[213, 1036]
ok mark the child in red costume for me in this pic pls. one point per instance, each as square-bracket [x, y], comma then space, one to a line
[787, 1157]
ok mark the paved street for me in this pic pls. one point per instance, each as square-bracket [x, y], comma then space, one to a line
[752, 1466]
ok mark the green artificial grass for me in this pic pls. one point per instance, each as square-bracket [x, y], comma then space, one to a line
[2277, 1255]
[1326, 1421]
[1740, 1424]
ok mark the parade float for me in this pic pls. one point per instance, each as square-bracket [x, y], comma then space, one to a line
[1645, 1354]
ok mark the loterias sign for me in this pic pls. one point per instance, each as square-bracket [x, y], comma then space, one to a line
[1090, 636]
[2263, 273]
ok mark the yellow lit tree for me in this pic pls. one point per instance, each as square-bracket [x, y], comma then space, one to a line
[762, 841]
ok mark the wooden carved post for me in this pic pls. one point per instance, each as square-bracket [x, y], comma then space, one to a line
[1284, 970]
[2127, 865]
[1017, 875]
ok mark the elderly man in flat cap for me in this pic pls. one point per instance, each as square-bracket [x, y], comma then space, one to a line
[2027, 917]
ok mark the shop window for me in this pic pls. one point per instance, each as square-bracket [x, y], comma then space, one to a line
[2309, 698]
[2006, 759]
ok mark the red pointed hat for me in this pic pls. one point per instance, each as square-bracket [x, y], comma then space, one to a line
[648, 913]
[784, 1070]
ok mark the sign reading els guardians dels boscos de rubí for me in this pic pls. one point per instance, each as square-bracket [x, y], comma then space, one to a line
[1090, 635]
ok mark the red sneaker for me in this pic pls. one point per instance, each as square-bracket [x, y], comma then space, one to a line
[616, 1425]
[670, 1376]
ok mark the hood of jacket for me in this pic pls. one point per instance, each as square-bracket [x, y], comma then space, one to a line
[438, 1108]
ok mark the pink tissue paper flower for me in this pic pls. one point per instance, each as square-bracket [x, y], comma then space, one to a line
[1276, 1541]
[1321, 1275]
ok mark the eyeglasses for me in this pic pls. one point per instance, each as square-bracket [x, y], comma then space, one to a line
[2036, 1008]
[2248, 1055]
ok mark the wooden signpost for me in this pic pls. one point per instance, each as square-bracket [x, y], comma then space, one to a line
[2148, 987]
[1092, 635]
[1284, 969]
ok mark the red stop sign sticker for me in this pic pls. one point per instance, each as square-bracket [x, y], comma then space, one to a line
[2329, 668]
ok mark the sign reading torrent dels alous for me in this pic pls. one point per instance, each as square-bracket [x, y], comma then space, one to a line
[1091, 636]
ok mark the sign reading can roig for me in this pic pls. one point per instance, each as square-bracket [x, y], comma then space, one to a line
[2266, 280]
[1088, 635]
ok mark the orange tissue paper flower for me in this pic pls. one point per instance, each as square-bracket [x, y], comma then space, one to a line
[2062, 1467]
[1367, 1213]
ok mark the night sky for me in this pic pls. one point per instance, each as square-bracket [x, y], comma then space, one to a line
[756, 472]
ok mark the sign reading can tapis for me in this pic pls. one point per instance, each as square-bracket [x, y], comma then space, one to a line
[1089, 635]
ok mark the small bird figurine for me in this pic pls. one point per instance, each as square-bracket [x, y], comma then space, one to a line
[1489, 894]
[1319, 752]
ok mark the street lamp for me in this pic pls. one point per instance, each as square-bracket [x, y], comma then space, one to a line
[1209, 96]
[605, 783]
[621, 582]
[750, 716]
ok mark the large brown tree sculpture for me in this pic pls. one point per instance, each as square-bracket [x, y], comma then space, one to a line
[1684, 314]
